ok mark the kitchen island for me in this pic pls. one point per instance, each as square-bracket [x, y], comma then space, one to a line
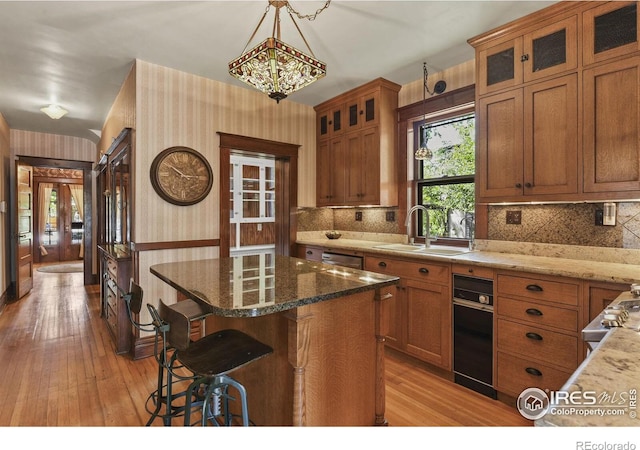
[326, 324]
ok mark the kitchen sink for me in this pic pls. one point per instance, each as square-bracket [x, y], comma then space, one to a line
[416, 248]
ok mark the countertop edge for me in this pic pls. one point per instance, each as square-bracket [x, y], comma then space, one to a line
[546, 265]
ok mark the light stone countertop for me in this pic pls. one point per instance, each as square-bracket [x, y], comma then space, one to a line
[587, 263]
[611, 375]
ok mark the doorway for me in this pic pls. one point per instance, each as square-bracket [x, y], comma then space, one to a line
[58, 218]
[285, 157]
[24, 251]
[253, 205]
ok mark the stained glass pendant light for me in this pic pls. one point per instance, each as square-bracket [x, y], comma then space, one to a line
[277, 68]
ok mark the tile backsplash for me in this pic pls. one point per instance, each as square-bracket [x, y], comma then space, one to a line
[568, 224]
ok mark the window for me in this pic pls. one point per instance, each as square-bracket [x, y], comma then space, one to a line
[445, 182]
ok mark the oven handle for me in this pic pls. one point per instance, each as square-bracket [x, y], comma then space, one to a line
[473, 305]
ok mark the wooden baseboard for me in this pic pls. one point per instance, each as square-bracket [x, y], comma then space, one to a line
[142, 347]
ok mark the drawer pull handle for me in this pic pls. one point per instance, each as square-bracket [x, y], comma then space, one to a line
[534, 288]
[382, 264]
[533, 371]
[423, 270]
[533, 312]
[309, 252]
[534, 336]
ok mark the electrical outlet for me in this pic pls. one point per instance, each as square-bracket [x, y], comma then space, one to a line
[514, 217]
[391, 216]
[358, 216]
[599, 219]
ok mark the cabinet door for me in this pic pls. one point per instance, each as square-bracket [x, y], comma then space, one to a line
[330, 172]
[428, 323]
[611, 132]
[499, 66]
[330, 122]
[610, 30]
[600, 296]
[499, 160]
[362, 150]
[362, 111]
[551, 49]
[551, 136]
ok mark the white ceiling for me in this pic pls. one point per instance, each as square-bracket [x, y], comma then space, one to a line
[77, 54]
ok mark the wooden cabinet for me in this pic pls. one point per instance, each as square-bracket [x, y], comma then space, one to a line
[611, 134]
[329, 121]
[538, 324]
[362, 150]
[543, 52]
[421, 322]
[355, 149]
[600, 295]
[114, 237]
[534, 149]
[610, 30]
[558, 105]
[115, 267]
[309, 253]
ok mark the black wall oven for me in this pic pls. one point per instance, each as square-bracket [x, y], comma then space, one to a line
[473, 333]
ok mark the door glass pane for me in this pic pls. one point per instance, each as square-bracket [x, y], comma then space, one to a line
[550, 50]
[615, 28]
[51, 226]
[77, 228]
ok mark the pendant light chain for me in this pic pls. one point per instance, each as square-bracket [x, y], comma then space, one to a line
[309, 17]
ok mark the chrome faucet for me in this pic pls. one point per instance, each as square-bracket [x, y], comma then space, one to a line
[407, 224]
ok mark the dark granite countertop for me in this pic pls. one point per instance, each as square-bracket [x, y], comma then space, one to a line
[248, 286]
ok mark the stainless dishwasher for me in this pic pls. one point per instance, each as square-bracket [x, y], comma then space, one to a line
[338, 259]
[473, 333]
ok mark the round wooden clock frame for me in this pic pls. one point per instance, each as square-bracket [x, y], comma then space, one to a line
[181, 175]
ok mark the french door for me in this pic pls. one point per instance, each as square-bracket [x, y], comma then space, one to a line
[60, 230]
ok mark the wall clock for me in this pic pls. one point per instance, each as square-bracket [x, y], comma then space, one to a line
[181, 175]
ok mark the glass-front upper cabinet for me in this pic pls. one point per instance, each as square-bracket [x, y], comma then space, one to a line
[119, 195]
[546, 51]
[610, 30]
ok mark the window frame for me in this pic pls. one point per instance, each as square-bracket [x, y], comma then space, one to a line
[435, 116]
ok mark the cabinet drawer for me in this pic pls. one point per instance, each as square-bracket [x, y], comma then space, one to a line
[112, 320]
[538, 314]
[416, 270]
[557, 349]
[536, 288]
[112, 296]
[310, 253]
[112, 267]
[476, 271]
[515, 374]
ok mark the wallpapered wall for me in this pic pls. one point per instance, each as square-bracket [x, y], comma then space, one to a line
[569, 224]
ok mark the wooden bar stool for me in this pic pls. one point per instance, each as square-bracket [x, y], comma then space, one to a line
[210, 360]
[163, 395]
[204, 363]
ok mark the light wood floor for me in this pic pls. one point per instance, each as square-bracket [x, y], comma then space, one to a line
[59, 369]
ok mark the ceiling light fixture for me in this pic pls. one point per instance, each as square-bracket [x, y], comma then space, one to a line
[423, 152]
[276, 68]
[54, 111]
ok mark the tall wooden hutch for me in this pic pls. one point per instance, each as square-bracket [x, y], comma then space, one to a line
[114, 236]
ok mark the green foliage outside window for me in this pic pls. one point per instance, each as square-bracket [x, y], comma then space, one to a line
[447, 177]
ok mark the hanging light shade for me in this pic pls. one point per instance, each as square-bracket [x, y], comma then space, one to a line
[423, 152]
[277, 68]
